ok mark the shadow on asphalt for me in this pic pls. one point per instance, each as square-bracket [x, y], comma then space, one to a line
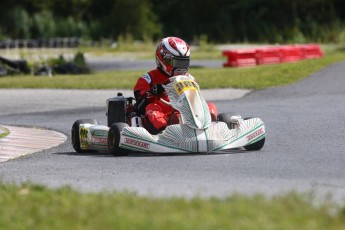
[141, 154]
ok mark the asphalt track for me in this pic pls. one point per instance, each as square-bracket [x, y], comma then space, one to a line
[304, 148]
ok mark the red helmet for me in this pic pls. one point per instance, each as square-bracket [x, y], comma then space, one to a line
[172, 56]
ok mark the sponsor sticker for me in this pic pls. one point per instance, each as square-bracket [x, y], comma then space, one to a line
[84, 144]
[184, 85]
[147, 78]
[100, 140]
[255, 134]
[137, 143]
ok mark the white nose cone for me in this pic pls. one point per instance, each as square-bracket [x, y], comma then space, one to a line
[196, 108]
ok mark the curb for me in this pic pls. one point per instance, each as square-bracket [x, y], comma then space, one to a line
[23, 141]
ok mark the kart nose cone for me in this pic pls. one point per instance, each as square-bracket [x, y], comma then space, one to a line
[196, 108]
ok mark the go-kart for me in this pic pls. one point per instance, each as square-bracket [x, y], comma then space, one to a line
[195, 131]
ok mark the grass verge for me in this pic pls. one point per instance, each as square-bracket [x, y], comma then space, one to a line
[258, 77]
[4, 132]
[36, 207]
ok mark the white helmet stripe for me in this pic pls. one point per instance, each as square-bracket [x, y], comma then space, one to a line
[167, 45]
[182, 49]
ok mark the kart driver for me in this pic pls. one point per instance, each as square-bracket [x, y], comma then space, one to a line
[172, 59]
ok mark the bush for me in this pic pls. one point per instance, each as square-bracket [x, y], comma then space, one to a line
[60, 65]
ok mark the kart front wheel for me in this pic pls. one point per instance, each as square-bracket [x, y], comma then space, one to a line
[75, 135]
[256, 146]
[114, 135]
[226, 118]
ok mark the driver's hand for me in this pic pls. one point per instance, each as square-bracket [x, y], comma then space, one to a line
[157, 89]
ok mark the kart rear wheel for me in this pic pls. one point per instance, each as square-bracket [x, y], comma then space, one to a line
[114, 135]
[257, 145]
[75, 135]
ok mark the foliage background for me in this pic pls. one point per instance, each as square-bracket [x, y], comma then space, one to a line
[273, 21]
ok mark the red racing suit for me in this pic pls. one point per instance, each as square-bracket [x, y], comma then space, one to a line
[156, 112]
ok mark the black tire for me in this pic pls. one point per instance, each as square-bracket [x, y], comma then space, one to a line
[75, 133]
[226, 118]
[114, 139]
[257, 145]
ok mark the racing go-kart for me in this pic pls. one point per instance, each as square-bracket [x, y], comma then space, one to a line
[195, 131]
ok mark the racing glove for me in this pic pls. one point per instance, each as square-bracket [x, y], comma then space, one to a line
[157, 89]
[141, 102]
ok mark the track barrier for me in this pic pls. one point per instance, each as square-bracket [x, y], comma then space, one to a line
[291, 53]
[312, 51]
[240, 58]
[268, 56]
[271, 55]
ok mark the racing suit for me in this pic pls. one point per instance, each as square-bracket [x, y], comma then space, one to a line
[148, 91]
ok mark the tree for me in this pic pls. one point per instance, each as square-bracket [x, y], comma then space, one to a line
[133, 18]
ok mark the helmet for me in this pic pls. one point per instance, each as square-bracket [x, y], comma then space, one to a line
[172, 56]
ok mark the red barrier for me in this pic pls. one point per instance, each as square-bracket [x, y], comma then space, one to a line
[271, 55]
[268, 56]
[312, 51]
[291, 53]
[240, 58]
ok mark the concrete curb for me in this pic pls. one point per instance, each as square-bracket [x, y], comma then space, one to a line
[22, 141]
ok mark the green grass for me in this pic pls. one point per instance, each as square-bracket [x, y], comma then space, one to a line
[36, 207]
[258, 77]
[3, 132]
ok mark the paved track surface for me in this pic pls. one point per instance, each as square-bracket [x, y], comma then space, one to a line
[304, 148]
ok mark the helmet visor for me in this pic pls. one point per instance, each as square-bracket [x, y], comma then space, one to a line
[181, 63]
